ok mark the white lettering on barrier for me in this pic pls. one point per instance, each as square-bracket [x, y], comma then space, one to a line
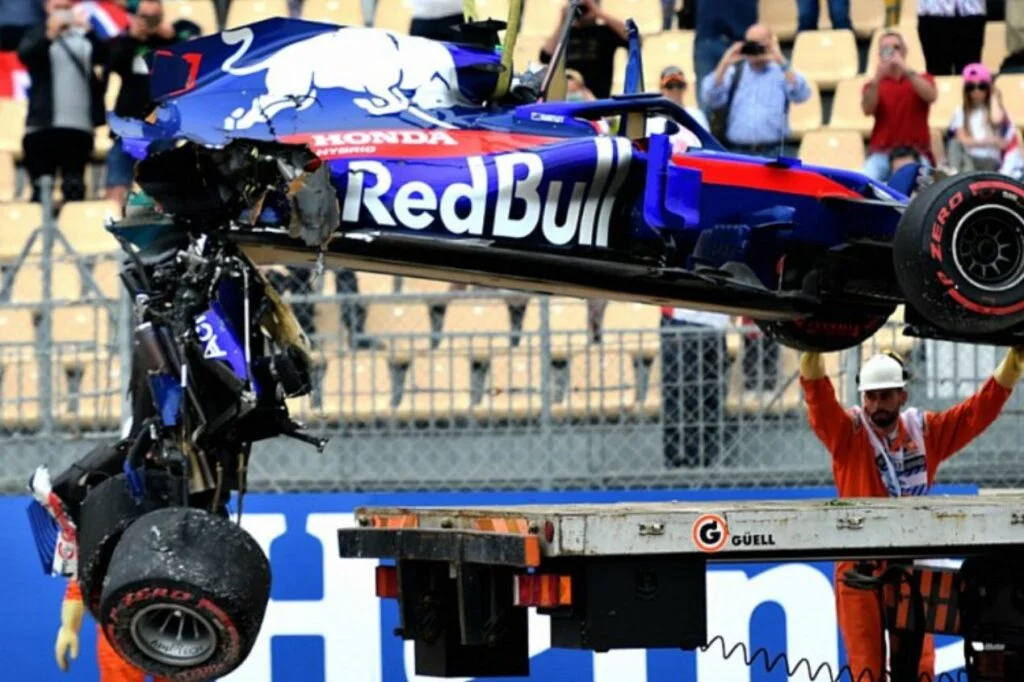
[348, 617]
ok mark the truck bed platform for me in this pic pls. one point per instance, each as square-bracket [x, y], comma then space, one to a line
[730, 531]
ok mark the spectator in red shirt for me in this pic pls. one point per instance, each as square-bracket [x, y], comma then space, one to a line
[899, 99]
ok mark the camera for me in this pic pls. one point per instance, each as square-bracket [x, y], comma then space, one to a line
[151, 20]
[752, 48]
[888, 52]
[65, 15]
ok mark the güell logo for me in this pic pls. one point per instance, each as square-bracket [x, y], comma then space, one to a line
[710, 532]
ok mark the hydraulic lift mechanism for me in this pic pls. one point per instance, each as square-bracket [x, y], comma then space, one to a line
[632, 576]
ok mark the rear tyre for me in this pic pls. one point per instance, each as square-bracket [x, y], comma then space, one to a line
[825, 332]
[105, 513]
[185, 594]
[958, 253]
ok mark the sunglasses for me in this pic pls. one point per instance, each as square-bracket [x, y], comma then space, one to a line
[675, 85]
[971, 87]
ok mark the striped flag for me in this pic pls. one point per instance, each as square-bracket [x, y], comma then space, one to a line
[13, 77]
[107, 18]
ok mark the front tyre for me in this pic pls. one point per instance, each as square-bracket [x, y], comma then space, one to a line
[185, 594]
[958, 253]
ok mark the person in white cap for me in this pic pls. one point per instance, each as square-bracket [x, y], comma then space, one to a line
[884, 448]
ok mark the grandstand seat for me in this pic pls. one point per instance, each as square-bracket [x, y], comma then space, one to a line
[825, 57]
[106, 273]
[357, 387]
[375, 283]
[65, 283]
[785, 398]
[241, 12]
[866, 16]
[476, 326]
[540, 17]
[403, 326]
[1012, 87]
[633, 328]
[19, 393]
[492, 9]
[86, 327]
[528, 45]
[94, 400]
[846, 111]
[950, 98]
[437, 388]
[915, 53]
[805, 116]
[342, 12]
[993, 51]
[81, 222]
[8, 176]
[781, 17]
[17, 330]
[417, 285]
[833, 148]
[669, 48]
[567, 323]
[395, 15]
[202, 12]
[12, 125]
[908, 15]
[19, 220]
[646, 13]
[513, 387]
[601, 384]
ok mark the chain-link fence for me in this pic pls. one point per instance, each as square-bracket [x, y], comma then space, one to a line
[424, 385]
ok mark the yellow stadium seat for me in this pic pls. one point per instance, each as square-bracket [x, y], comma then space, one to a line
[341, 12]
[357, 387]
[833, 148]
[404, 326]
[993, 51]
[437, 388]
[513, 388]
[915, 53]
[1012, 87]
[528, 46]
[65, 283]
[492, 9]
[601, 384]
[82, 224]
[825, 57]
[646, 13]
[541, 17]
[635, 328]
[477, 327]
[846, 111]
[8, 176]
[418, 285]
[12, 125]
[866, 16]
[94, 400]
[19, 220]
[395, 15]
[805, 116]
[567, 323]
[202, 12]
[951, 97]
[781, 17]
[19, 393]
[17, 326]
[106, 274]
[242, 12]
[82, 325]
[673, 48]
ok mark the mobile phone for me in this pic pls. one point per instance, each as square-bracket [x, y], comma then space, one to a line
[888, 52]
[65, 15]
[752, 48]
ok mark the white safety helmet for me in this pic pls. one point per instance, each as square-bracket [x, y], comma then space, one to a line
[881, 371]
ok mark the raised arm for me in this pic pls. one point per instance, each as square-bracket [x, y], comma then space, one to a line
[831, 423]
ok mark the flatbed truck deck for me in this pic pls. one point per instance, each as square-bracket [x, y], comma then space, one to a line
[632, 575]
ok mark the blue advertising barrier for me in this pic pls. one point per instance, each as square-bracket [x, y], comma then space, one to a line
[324, 623]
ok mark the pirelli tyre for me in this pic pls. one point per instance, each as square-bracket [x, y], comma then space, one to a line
[958, 253]
[826, 332]
[185, 594]
[107, 510]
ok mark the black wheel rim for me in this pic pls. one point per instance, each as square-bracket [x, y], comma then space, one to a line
[173, 635]
[988, 248]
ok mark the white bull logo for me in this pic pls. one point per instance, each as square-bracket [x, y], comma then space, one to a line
[391, 72]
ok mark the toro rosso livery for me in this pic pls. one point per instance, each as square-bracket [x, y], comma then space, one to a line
[291, 141]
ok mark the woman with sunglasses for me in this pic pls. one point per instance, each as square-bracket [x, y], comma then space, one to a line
[981, 134]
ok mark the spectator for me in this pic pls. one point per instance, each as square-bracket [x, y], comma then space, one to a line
[673, 85]
[717, 26]
[899, 99]
[593, 40]
[668, 13]
[437, 19]
[576, 89]
[694, 371]
[753, 116]
[838, 12]
[892, 12]
[952, 33]
[65, 100]
[17, 17]
[983, 136]
[299, 281]
[131, 60]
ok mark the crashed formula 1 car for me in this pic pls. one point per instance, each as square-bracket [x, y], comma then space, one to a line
[289, 141]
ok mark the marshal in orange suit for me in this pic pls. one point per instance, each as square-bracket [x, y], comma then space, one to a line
[883, 448]
[112, 667]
